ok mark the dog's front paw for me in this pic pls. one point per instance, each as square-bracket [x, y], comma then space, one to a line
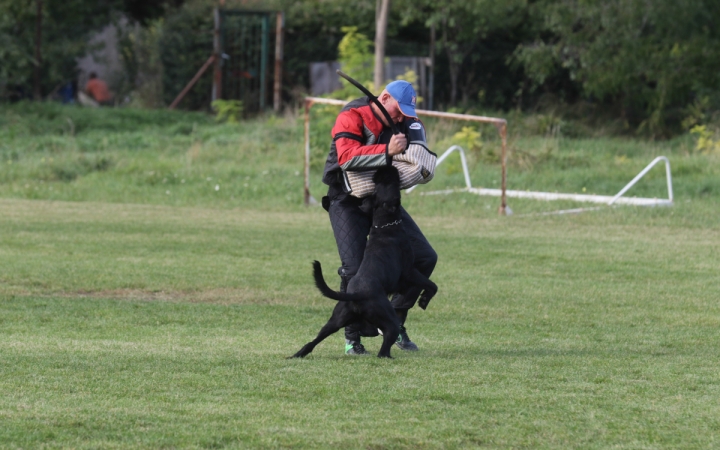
[424, 300]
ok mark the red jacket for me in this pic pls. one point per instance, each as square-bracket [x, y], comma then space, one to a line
[98, 90]
[360, 140]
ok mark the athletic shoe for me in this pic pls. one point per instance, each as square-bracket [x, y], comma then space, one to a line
[404, 342]
[354, 348]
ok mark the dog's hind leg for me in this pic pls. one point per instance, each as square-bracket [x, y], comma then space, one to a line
[388, 322]
[342, 315]
[325, 331]
[390, 335]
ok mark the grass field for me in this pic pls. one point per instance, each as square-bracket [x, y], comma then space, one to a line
[133, 318]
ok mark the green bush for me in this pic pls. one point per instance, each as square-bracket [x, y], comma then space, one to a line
[142, 80]
[229, 111]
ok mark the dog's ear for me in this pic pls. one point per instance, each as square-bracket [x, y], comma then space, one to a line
[367, 204]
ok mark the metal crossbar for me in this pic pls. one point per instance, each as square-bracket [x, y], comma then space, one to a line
[606, 199]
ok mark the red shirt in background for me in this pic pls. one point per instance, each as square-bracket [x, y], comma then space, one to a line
[98, 90]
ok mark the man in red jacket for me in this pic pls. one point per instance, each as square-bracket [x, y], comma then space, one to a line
[361, 136]
[98, 90]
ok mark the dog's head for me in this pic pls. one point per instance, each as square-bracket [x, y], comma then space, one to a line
[387, 188]
[387, 175]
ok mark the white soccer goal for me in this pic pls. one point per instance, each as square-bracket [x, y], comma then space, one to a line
[503, 193]
[608, 200]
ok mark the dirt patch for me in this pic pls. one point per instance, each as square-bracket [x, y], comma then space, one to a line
[224, 296]
[117, 213]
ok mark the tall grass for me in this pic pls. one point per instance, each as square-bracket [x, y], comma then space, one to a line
[60, 152]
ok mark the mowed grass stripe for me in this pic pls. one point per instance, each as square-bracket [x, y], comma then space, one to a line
[88, 247]
[131, 326]
[100, 372]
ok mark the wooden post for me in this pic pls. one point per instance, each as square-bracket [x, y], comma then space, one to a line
[192, 82]
[277, 88]
[380, 34]
[217, 53]
[431, 88]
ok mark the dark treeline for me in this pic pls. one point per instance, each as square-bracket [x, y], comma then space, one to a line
[652, 64]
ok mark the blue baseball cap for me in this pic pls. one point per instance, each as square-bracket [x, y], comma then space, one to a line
[403, 92]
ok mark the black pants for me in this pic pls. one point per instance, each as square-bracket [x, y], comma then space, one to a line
[351, 227]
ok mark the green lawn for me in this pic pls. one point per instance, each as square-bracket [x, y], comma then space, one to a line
[132, 318]
[129, 325]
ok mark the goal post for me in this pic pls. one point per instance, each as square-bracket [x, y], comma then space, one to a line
[617, 199]
[500, 126]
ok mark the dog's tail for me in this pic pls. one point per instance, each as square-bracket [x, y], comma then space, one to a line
[326, 291]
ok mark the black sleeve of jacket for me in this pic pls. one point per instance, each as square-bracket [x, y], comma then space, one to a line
[415, 131]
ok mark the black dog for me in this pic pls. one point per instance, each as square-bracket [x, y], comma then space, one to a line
[387, 267]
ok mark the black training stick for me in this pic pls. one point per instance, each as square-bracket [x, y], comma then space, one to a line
[372, 98]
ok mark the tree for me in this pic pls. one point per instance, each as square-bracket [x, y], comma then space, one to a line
[461, 24]
[65, 29]
[314, 29]
[651, 57]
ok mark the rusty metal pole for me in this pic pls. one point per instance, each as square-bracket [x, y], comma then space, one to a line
[217, 52]
[277, 88]
[503, 200]
[192, 82]
[306, 194]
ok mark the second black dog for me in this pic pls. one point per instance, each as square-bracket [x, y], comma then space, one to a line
[387, 267]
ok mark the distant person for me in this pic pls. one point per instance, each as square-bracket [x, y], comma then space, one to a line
[98, 90]
[67, 93]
